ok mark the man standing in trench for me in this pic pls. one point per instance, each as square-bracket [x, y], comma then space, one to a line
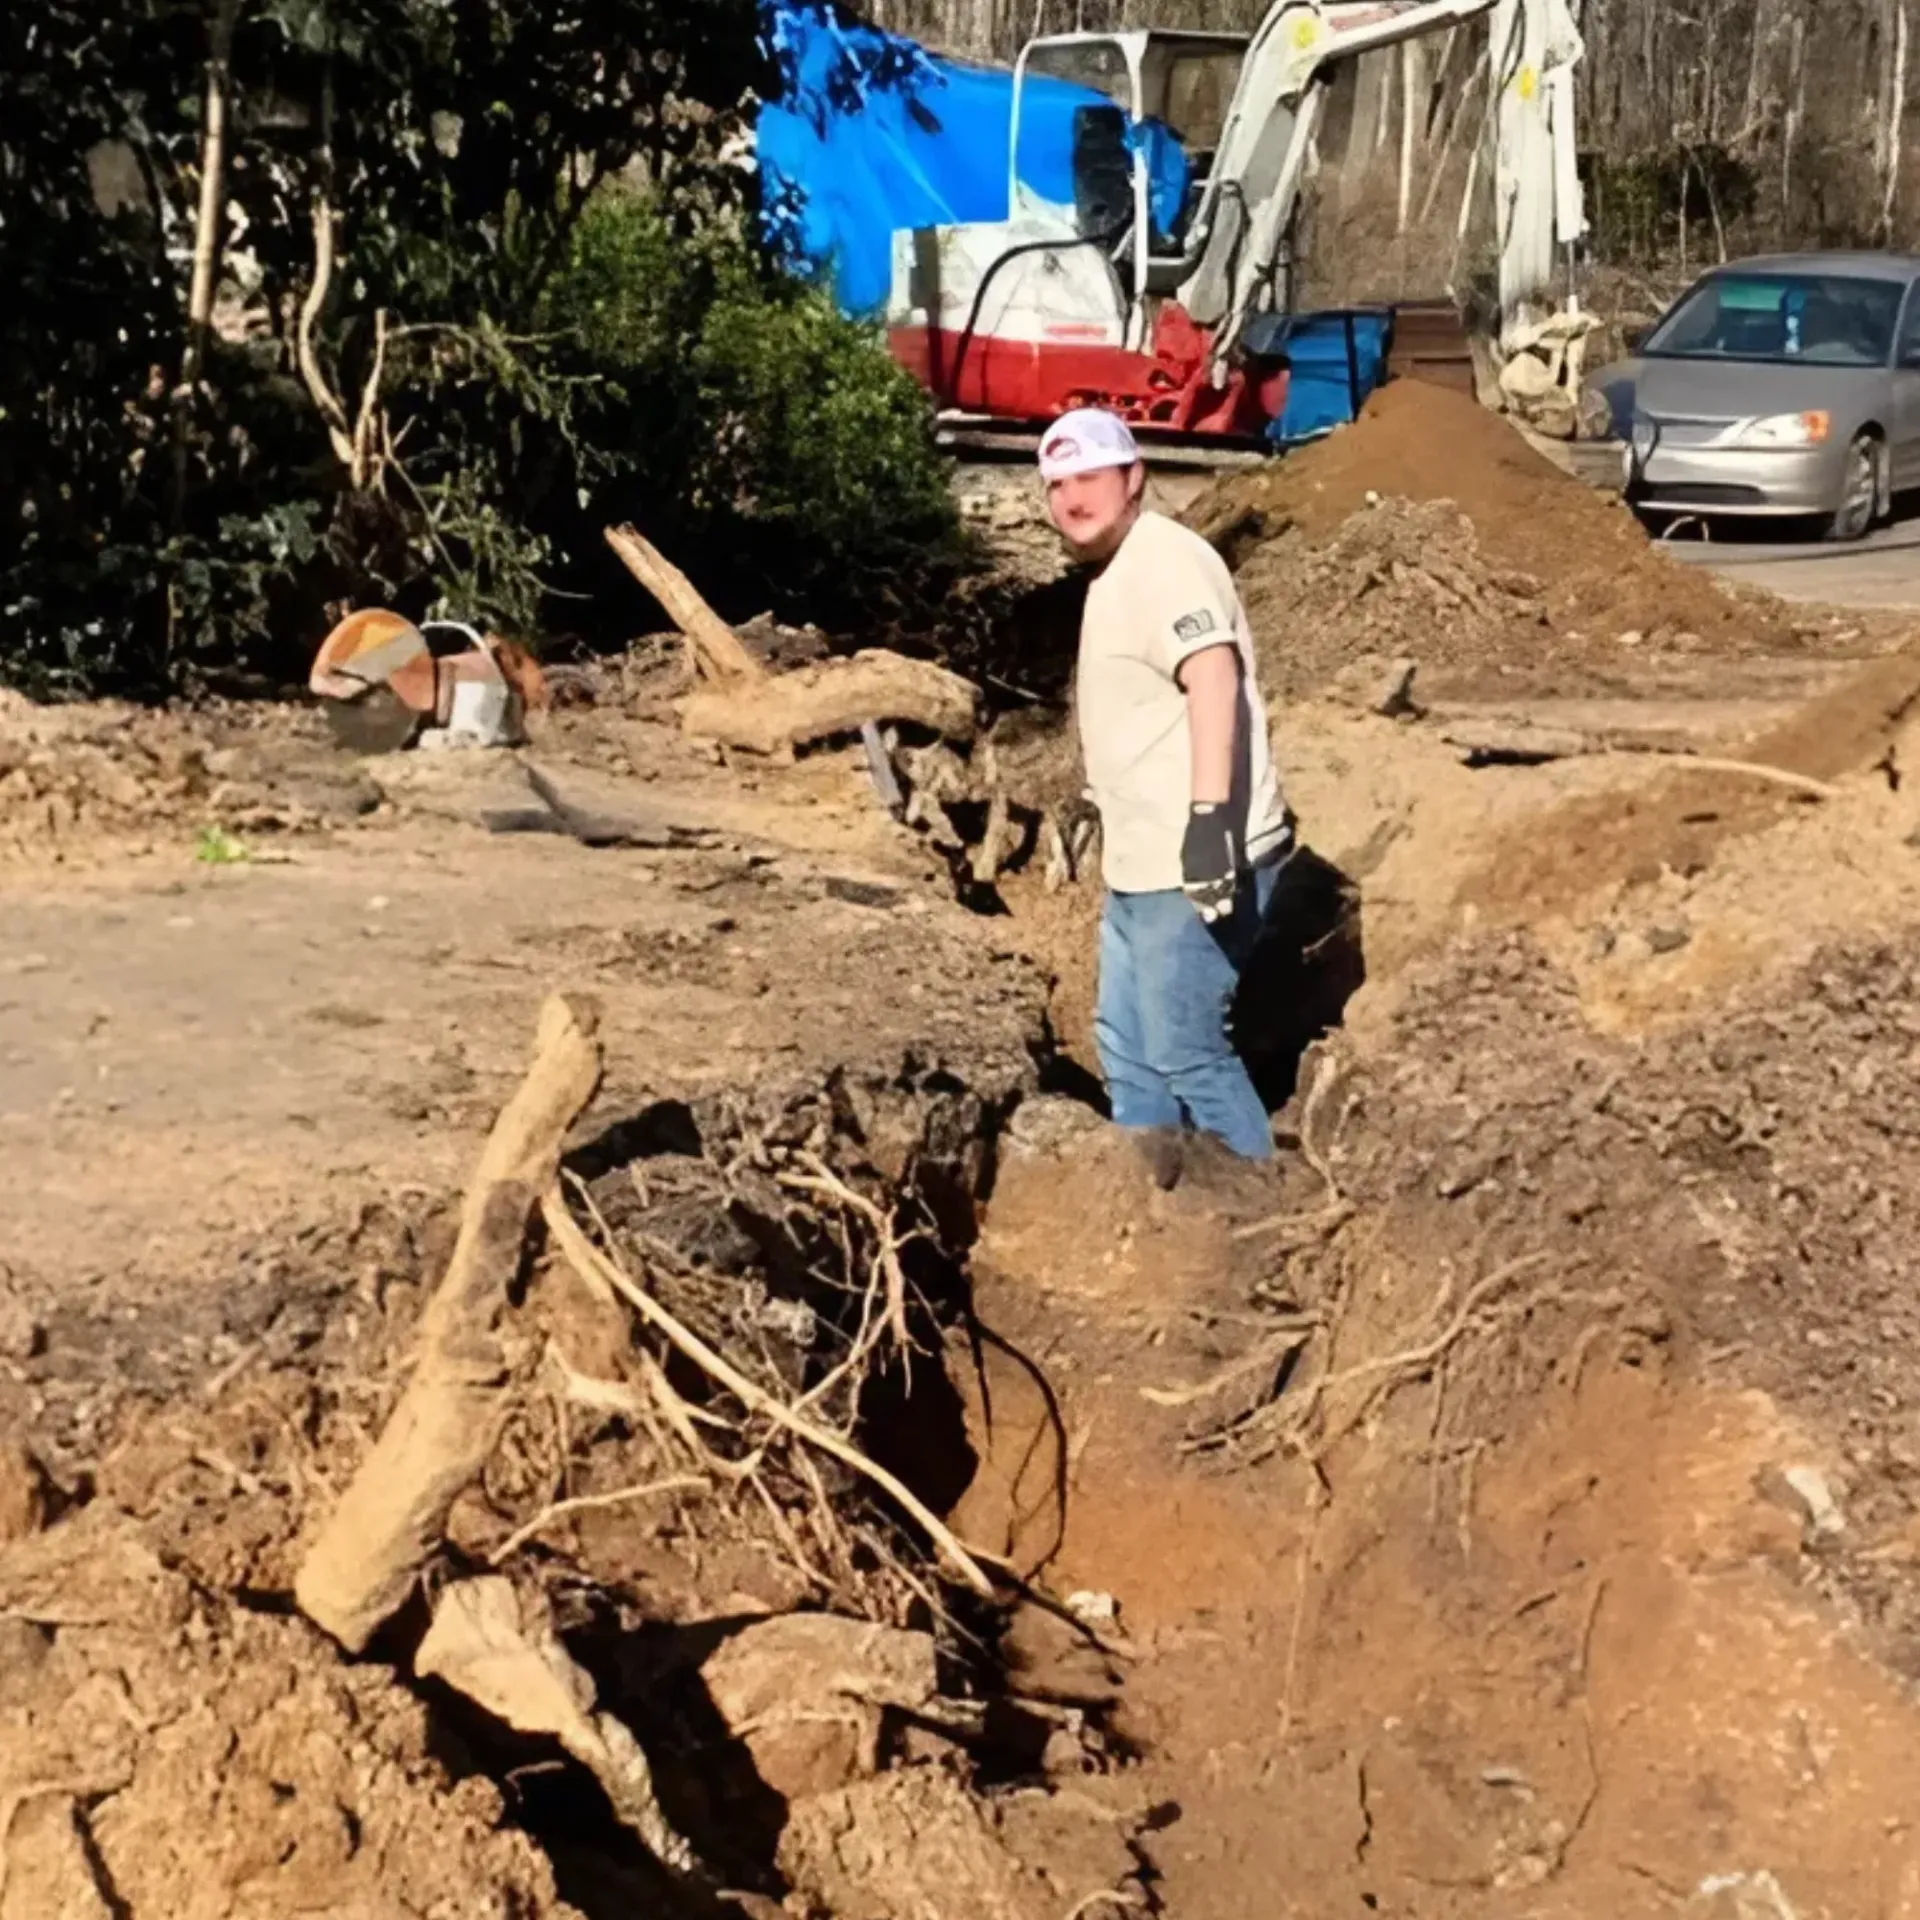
[1174, 738]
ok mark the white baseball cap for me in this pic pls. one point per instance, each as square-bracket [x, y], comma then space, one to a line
[1084, 441]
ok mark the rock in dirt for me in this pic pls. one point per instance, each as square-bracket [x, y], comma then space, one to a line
[1803, 1491]
[1046, 1124]
[23, 1647]
[49, 1872]
[909, 1846]
[806, 1692]
[1744, 1896]
[24, 1502]
[1094, 1609]
[1054, 1659]
[22, 1336]
[1383, 687]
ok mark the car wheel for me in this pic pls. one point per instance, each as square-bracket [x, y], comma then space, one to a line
[1861, 488]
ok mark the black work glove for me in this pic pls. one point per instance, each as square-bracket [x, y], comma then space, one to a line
[1210, 860]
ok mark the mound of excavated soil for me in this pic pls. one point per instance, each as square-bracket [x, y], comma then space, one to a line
[1587, 574]
[1755, 1171]
[1400, 578]
[1676, 821]
[164, 1752]
[1526, 1601]
[143, 777]
[642, 1567]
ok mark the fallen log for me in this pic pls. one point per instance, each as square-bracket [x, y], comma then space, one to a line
[776, 715]
[717, 650]
[392, 1517]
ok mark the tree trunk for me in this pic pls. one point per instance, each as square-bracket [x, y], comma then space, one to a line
[1796, 111]
[1365, 129]
[1462, 117]
[210, 223]
[1686, 181]
[1413, 95]
[207, 235]
[1759, 58]
[1895, 115]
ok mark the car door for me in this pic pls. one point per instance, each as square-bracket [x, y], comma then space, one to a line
[1903, 430]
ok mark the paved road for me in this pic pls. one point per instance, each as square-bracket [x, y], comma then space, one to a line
[1881, 571]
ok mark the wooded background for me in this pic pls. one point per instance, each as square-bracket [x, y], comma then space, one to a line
[314, 303]
[324, 303]
[1706, 124]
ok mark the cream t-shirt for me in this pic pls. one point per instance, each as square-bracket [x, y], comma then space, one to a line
[1165, 596]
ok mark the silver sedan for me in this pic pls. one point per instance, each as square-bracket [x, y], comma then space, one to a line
[1785, 386]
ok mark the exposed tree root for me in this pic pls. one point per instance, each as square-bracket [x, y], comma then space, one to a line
[583, 1256]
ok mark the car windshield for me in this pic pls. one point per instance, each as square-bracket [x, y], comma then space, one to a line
[1813, 319]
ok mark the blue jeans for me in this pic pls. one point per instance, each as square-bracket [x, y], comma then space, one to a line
[1166, 989]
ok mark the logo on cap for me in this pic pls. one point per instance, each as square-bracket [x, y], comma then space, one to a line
[1062, 447]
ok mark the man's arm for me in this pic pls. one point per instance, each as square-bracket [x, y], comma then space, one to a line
[1210, 854]
[1211, 681]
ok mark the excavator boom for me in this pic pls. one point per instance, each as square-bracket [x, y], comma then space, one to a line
[1254, 183]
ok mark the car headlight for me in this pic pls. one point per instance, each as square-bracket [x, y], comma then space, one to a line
[1781, 430]
[1646, 437]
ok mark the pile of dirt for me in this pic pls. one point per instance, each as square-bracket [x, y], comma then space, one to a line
[144, 778]
[1676, 821]
[164, 1750]
[881, 1495]
[1529, 1486]
[1594, 576]
[1395, 577]
[1751, 1179]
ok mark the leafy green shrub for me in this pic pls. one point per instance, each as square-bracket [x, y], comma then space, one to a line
[744, 420]
[553, 351]
[825, 446]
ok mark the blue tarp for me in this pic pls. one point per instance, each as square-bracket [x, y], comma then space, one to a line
[871, 134]
[1322, 384]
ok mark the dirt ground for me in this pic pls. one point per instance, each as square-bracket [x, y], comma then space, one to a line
[1509, 1504]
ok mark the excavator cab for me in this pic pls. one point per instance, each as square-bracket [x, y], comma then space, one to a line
[1187, 177]
[1154, 145]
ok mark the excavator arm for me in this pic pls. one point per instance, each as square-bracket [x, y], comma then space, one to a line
[1254, 183]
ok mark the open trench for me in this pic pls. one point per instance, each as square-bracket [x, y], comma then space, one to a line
[1466, 1520]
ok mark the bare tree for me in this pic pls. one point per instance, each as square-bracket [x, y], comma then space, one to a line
[208, 231]
[1893, 114]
